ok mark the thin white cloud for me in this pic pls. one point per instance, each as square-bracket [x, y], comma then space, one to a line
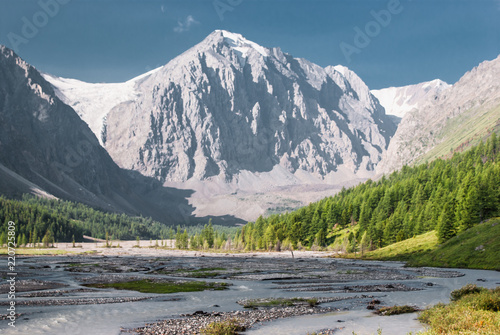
[185, 25]
[162, 8]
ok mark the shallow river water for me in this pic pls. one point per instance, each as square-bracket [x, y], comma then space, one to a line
[333, 277]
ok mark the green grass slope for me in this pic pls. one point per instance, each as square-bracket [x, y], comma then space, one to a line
[475, 248]
[406, 250]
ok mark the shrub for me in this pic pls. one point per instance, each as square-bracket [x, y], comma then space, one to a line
[228, 327]
[486, 300]
[472, 313]
[312, 302]
[395, 310]
[466, 290]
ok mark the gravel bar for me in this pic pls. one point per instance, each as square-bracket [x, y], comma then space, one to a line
[192, 324]
[79, 301]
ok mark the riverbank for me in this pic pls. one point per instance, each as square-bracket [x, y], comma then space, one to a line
[154, 248]
[476, 248]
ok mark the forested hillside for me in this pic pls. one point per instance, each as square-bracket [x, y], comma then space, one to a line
[449, 196]
[62, 221]
[46, 221]
[35, 222]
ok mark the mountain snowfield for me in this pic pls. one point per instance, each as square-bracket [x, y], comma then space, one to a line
[398, 101]
[94, 101]
[231, 119]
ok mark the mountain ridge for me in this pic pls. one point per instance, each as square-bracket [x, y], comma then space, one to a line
[234, 127]
[466, 112]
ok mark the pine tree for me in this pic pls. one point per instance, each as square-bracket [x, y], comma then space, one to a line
[445, 228]
[321, 238]
[193, 241]
[469, 214]
[344, 219]
[185, 239]
[315, 223]
[400, 236]
[209, 234]
[3, 239]
[270, 237]
[178, 238]
[200, 241]
[48, 239]
[23, 240]
[34, 237]
[365, 216]
[364, 244]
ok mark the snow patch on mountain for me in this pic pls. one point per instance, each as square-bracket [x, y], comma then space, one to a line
[241, 44]
[93, 101]
[398, 101]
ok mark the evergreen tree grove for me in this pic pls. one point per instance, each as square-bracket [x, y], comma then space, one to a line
[448, 196]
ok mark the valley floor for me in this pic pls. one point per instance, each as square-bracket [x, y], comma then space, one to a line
[84, 293]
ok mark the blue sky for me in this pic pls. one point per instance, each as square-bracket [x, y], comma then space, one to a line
[115, 40]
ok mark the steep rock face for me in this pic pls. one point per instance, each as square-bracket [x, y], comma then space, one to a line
[461, 113]
[229, 106]
[398, 101]
[46, 149]
[41, 137]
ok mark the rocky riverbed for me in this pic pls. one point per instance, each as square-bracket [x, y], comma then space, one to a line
[75, 301]
[56, 287]
[26, 285]
[194, 323]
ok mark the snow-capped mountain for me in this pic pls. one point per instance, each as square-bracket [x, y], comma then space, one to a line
[398, 101]
[229, 105]
[464, 113]
[229, 115]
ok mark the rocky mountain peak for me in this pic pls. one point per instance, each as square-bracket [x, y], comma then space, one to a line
[185, 115]
[225, 47]
[230, 115]
[14, 68]
[241, 44]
